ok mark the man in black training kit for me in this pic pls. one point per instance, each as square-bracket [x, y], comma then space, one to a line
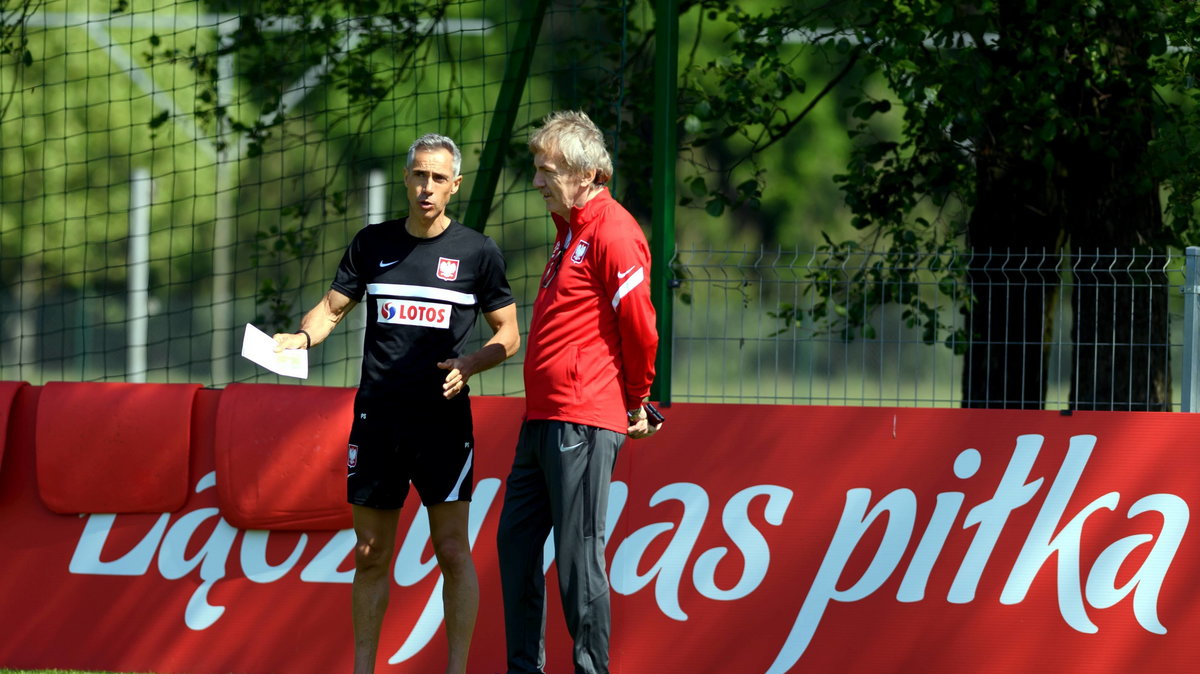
[426, 278]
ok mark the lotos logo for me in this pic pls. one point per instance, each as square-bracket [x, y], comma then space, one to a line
[412, 312]
[447, 269]
[352, 456]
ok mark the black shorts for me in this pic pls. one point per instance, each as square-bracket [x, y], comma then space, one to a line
[394, 442]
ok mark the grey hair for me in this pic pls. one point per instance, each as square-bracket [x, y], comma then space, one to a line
[432, 141]
[577, 138]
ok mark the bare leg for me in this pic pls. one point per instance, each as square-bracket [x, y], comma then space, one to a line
[376, 531]
[460, 593]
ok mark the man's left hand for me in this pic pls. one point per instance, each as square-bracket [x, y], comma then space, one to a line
[639, 425]
[456, 378]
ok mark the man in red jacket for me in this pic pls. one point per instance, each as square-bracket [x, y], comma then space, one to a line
[589, 364]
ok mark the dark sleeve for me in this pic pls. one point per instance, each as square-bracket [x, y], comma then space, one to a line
[348, 280]
[493, 290]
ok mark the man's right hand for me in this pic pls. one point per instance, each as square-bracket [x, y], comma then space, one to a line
[289, 340]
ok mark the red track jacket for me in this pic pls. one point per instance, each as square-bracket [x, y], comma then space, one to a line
[592, 339]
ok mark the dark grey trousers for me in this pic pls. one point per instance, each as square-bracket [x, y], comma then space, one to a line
[560, 478]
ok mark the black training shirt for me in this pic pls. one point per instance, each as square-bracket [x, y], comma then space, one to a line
[422, 299]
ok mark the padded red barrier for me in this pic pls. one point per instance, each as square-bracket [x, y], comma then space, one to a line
[8, 393]
[114, 447]
[281, 456]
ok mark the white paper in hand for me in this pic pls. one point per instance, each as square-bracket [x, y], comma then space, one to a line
[259, 347]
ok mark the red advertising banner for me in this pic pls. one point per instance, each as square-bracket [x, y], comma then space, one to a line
[741, 539]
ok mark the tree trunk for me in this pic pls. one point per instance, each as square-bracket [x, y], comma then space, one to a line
[1121, 290]
[1013, 237]
[1086, 183]
[1114, 218]
[1015, 285]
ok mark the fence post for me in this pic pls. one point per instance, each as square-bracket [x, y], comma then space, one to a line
[504, 116]
[224, 235]
[666, 152]
[377, 211]
[1191, 297]
[138, 274]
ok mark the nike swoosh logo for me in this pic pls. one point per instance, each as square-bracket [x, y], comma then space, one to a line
[564, 448]
[387, 264]
[352, 474]
[623, 274]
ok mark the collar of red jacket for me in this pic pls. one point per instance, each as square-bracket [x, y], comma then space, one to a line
[583, 217]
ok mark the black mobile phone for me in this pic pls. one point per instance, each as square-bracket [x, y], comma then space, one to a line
[653, 415]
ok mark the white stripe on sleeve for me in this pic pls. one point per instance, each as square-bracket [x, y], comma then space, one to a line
[628, 286]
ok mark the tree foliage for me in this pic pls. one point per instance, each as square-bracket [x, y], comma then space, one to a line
[14, 44]
[1023, 126]
[354, 54]
[974, 125]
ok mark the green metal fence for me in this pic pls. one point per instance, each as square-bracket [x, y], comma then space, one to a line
[171, 172]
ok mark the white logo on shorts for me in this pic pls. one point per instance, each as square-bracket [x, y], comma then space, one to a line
[352, 456]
